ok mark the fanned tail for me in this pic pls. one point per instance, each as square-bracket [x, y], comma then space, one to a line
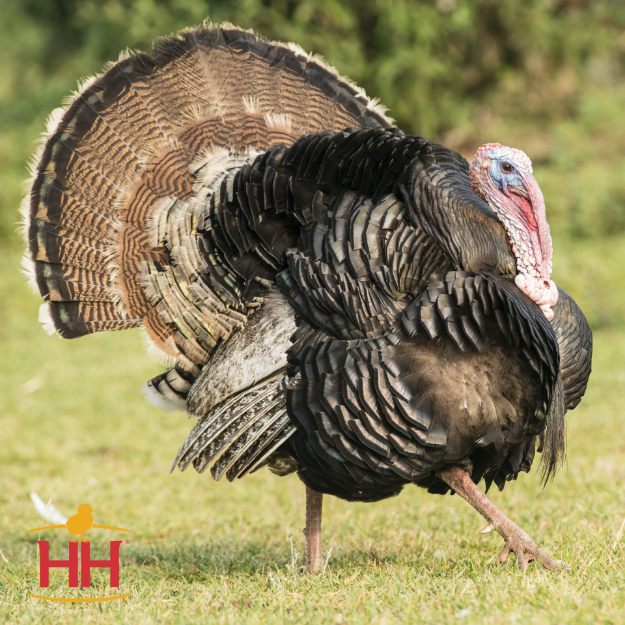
[132, 138]
[117, 216]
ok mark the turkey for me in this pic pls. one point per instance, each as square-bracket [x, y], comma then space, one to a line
[329, 296]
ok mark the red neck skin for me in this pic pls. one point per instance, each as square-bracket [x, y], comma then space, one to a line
[526, 224]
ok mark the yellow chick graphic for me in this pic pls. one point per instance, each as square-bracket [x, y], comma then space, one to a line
[78, 524]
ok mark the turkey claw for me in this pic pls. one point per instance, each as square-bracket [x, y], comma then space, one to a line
[526, 551]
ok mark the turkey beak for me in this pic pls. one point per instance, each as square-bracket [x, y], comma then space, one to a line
[517, 189]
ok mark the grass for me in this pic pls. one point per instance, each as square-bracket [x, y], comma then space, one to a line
[75, 428]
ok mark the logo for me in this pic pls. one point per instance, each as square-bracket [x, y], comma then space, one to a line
[78, 525]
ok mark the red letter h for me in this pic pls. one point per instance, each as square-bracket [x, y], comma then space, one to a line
[45, 564]
[86, 564]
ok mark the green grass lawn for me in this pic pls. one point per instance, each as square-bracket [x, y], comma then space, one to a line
[75, 428]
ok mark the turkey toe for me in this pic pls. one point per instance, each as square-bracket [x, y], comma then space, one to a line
[527, 551]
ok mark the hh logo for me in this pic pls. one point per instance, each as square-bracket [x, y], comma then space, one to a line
[77, 525]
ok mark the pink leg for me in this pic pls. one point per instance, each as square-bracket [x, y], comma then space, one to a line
[517, 541]
[313, 559]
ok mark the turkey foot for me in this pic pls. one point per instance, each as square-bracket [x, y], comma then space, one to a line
[313, 558]
[517, 541]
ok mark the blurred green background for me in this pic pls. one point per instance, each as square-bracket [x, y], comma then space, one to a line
[546, 76]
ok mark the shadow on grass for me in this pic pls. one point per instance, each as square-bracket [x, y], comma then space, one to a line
[195, 561]
[191, 560]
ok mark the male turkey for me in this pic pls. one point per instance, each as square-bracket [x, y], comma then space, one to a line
[334, 297]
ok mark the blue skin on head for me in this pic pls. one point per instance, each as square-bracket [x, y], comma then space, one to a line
[503, 179]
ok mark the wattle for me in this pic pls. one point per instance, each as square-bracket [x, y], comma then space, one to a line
[537, 291]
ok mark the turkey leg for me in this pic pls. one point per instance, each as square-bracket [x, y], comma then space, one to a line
[313, 559]
[517, 541]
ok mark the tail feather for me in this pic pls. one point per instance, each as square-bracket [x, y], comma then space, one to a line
[190, 73]
[57, 206]
[64, 283]
[56, 245]
[79, 318]
[68, 166]
[133, 109]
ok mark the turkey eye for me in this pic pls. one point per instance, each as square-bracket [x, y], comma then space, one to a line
[506, 168]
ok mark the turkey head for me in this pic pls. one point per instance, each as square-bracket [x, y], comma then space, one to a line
[502, 176]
